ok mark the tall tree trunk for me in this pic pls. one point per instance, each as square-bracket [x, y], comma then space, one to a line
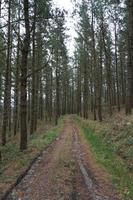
[7, 86]
[10, 84]
[51, 95]
[91, 90]
[16, 93]
[79, 109]
[108, 66]
[41, 100]
[94, 65]
[23, 97]
[116, 65]
[57, 103]
[33, 109]
[122, 72]
[100, 80]
[86, 89]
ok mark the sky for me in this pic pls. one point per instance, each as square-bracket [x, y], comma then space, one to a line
[68, 6]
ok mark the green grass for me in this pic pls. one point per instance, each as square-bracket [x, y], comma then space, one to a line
[14, 161]
[45, 139]
[106, 157]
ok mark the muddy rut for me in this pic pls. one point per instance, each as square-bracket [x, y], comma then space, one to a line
[65, 171]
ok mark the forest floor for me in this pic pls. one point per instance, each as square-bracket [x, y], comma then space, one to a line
[67, 170]
[15, 163]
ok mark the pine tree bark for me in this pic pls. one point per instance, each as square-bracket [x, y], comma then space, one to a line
[94, 66]
[79, 107]
[57, 101]
[16, 93]
[122, 76]
[99, 101]
[33, 108]
[41, 100]
[86, 89]
[23, 80]
[108, 66]
[7, 82]
[39, 85]
[116, 65]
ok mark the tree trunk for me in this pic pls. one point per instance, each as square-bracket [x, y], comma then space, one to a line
[116, 65]
[79, 109]
[16, 93]
[85, 90]
[100, 80]
[108, 66]
[33, 108]
[94, 66]
[57, 106]
[7, 86]
[23, 97]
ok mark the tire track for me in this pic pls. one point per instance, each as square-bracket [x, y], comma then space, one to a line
[62, 172]
[89, 180]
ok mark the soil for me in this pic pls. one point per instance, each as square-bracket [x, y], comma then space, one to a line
[66, 171]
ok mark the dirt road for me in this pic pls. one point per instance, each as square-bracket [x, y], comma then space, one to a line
[66, 171]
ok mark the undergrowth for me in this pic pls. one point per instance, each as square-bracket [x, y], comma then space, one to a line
[14, 161]
[106, 156]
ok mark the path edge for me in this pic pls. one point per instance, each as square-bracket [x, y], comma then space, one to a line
[5, 195]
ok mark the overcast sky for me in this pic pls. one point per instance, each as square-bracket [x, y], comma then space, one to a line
[68, 6]
[64, 4]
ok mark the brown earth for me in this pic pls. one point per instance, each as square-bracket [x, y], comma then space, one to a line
[66, 171]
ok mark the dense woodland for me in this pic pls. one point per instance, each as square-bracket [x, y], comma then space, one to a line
[39, 80]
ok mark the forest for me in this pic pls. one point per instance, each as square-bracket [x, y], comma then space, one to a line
[75, 107]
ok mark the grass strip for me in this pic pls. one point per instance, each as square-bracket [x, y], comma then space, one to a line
[106, 157]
